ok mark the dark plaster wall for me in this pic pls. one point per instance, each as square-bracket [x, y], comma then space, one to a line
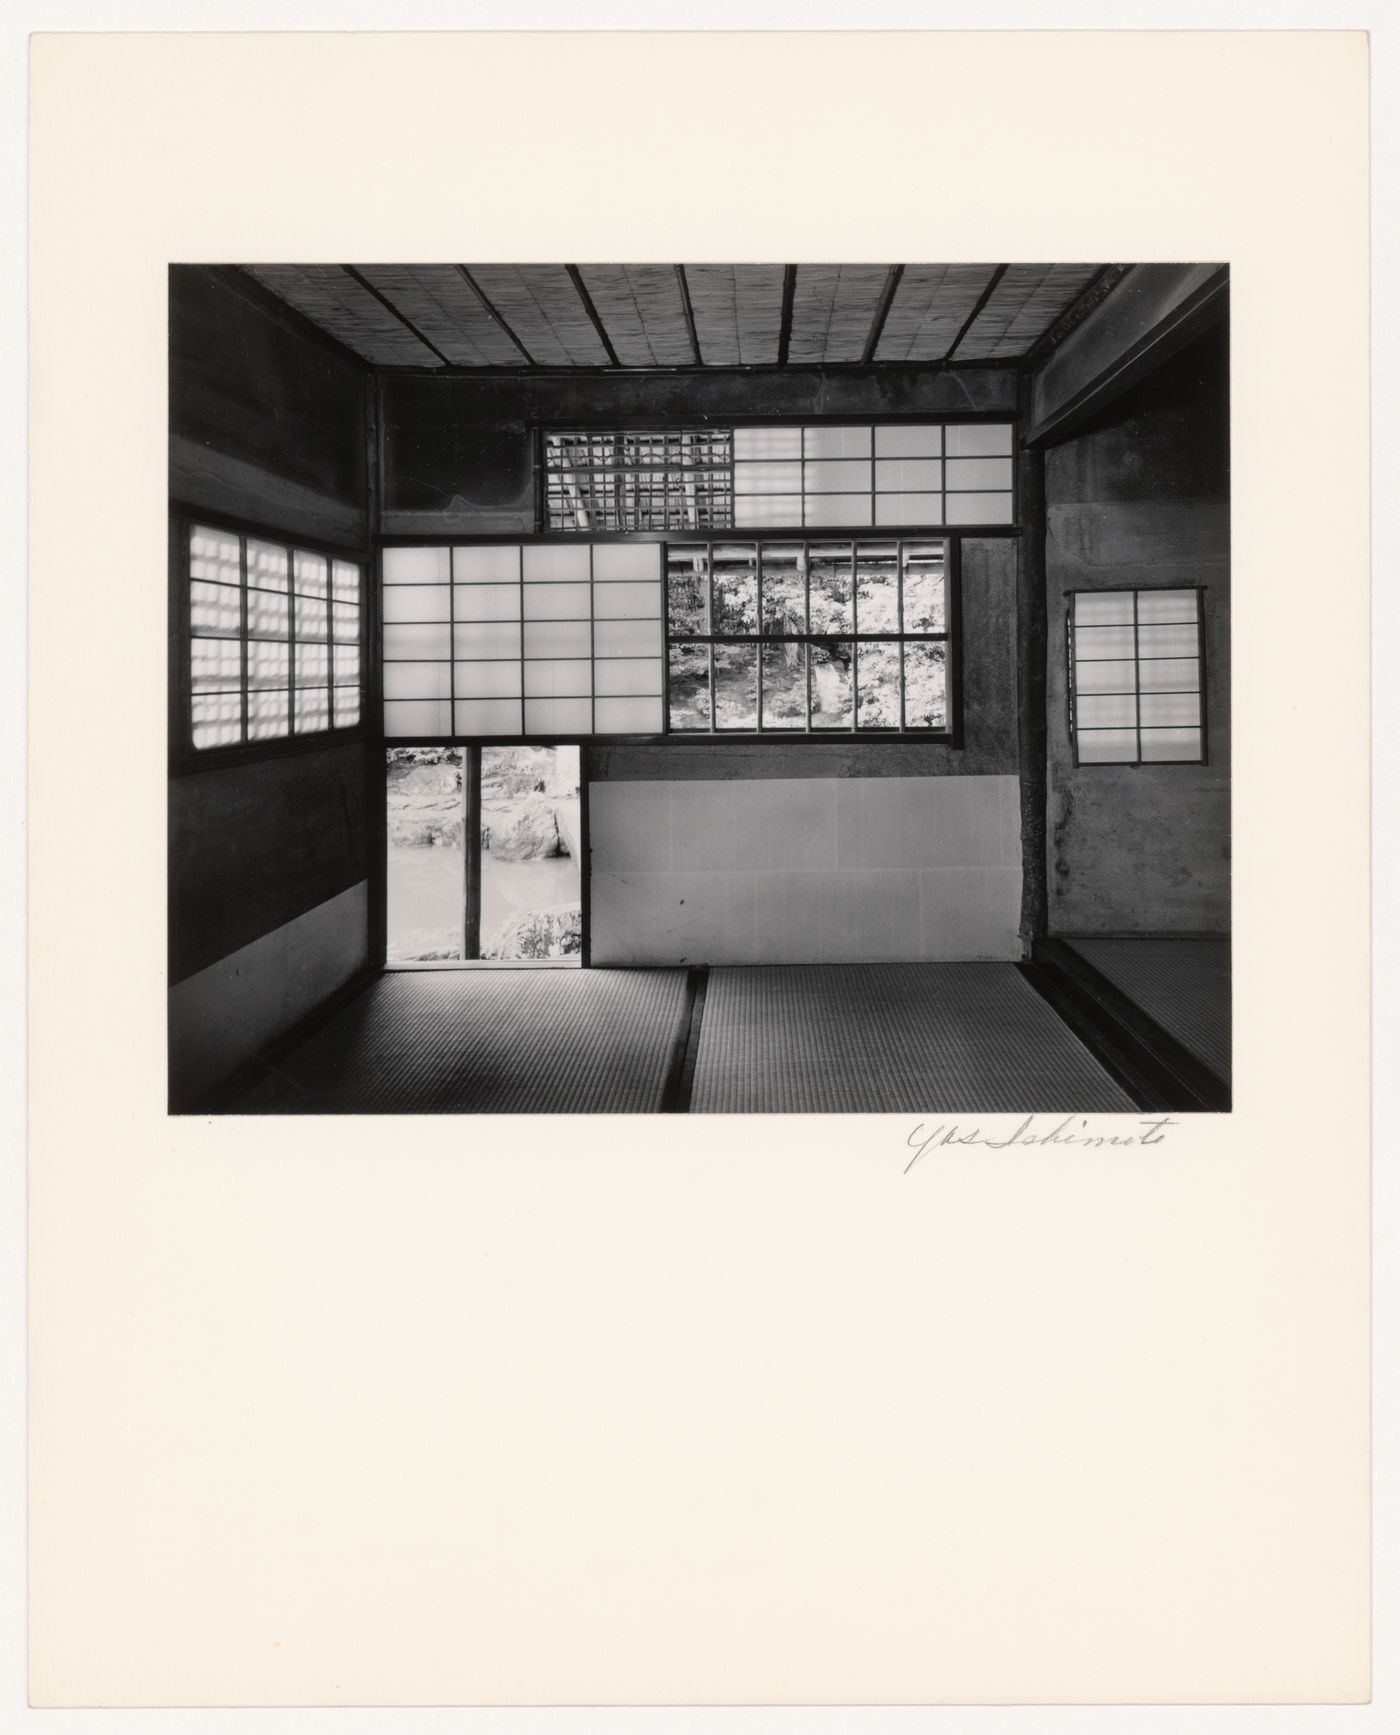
[254, 845]
[265, 422]
[1141, 497]
[267, 425]
[459, 453]
[989, 709]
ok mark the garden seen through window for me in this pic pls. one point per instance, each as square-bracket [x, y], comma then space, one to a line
[794, 635]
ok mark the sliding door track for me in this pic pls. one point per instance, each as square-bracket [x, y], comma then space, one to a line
[680, 1074]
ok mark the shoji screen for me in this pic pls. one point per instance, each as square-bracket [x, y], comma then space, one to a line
[523, 639]
[1136, 694]
[904, 473]
[274, 634]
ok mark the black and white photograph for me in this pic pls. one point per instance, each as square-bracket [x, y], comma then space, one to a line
[698, 838]
[701, 687]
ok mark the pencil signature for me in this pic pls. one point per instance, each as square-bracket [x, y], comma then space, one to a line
[922, 1142]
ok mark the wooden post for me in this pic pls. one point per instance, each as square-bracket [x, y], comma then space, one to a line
[372, 683]
[471, 838]
[1032, 644]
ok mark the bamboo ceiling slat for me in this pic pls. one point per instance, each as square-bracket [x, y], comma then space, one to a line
[442, 305]
[737, 310]
[833, 307]
[929, 309]
[541, 306]
[642, 312]
[738, 313]
[1022, 307]
[331, 298]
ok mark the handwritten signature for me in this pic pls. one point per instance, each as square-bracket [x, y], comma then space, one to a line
[1154, 1133]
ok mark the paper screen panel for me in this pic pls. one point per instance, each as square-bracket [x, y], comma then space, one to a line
[417, 565]
[628, 716]
[487, 717]
[498, 680]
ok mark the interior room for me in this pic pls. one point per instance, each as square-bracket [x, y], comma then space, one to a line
[699, 688]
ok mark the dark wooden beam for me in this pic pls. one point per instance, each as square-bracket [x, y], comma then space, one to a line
[581, 289]
[1093, 294]
[389, 307]
[785, 329]
[684, 287]
[485, 301]
[1187, 321]
[600, 370]
[882, 313]
[972, 317]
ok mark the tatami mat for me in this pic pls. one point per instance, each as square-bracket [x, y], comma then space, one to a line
[885, 1038]
[488, 1042]
[1183, 985]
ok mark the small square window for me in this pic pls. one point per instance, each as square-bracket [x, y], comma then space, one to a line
[1135, 687]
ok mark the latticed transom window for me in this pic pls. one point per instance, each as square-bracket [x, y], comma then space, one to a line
[682, 479]
[793, 477]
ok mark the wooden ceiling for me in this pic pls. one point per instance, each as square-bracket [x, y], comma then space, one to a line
[686, 316]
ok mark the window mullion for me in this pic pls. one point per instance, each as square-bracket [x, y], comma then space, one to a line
[899, 618]
[291, 642]
[855, 638]
[244, 719]
[452, 641]
[520, 566]
[1137, 685]
[592, 650]
[807, 619]
[760, 576]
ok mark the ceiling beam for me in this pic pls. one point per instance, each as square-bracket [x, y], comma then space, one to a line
[670, 370]
[402, 318]
[581, 289]
[785, 329]
[684, 288]
[972, 317]
[1095, 291]
[1204, 308]
[485, 301]
[882, 313]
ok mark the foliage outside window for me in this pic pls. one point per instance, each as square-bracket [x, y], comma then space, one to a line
[803, 636]
[484, 854]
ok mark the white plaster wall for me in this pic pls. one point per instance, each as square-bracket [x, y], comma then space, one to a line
[805, 870]
[223, 1015]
